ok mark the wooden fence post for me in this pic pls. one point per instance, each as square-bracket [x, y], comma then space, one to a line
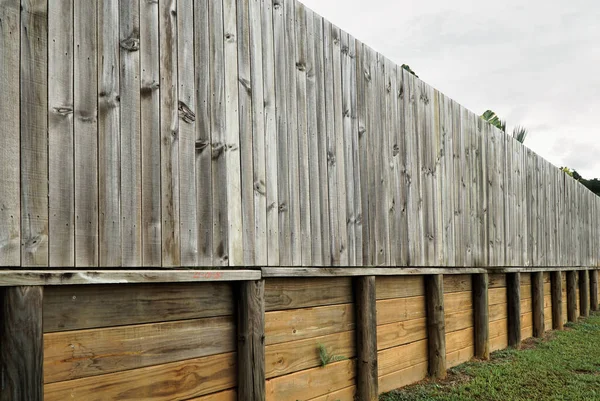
[572, 296]
[21, 344]
[251, 340]
[436, 325]
[513, 295]
[366, 338]
[556, 292]
[594, 290]
[537, 295]
[584, 293]
[481, 316]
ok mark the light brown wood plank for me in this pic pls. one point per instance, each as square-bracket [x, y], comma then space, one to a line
[498, 328]
[459, 340]
[85, 307]
[400, 309]
[459, 320]
[347, 394]
[399, 333]
[460, 356]
[84, 353]
[457, 283]
[184, 380]
[403, 377]
[400, 287]
[307, 292]
[398, 358]
[498, 311]
[228, 395]
[458, 301]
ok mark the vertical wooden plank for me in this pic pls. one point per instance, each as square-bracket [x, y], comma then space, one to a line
[131, 172]
[537, 295]
[281, 88]
[109, 134]
[340, 170]
[384, 138]
[481, 317]
[61, 180]
[186, 92]
[246, 85]
[34, 133]
[314, 177]
[86, 126]
[557, 306]
[264, 24]
[369, 142]
[572, 312]
[436, 326]
[150, 135]
[494, 195]
[347, 117]
[353, 50]
[366, 338]
[251, 343]
[593, 289]
[10, 212]
[426, 148]
[321, 108]
[232, 137]
[584, 293]
[260, 181]
[447, 179]
[513, 295]
[301, 133]
[459, 185]
[21, 344]
[532, 215]
[484, 203]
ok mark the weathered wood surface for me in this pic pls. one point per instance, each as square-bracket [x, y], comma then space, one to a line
[366, 338]
[594, 290]
[557, 301]
[537, 294]
[251, 341]
[436, 328]
[21, 344]
[572, 307]
[255, 133]
[513, 295]
[481, 317]
[584, 293]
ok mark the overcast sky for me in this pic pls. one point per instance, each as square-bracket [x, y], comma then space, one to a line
[535, 63]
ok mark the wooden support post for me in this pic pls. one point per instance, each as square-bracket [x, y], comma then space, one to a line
[572, 296]
[513, 295]
[436, 325]
[481, 316]
[251, 341]
[366, 338]
[556, 293]
[537, 295]
[594, 290]
[21, 344]
[584, 293]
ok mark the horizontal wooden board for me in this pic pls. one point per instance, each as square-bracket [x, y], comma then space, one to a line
[399, 358]
[499, 343]
[228, 395]
[395, 334]
[402, 377]
[527, 320]
[526, 332]
[91, 306]
[498, 312]
[286, 358]
[400, 309]
[547, 278]
[459, 320]
[460, 356]
[281, 293]
[75, 354]
[497, 280]
[345, 394]
[497, 296]
[458, 301]
[458, 283]
[458, 340]
[547, 301]
[499, 328]
[312, 383]
[177, 380]
[298, 324]
[526, 305]
[400, 286]
[525, 291]
[525, 279]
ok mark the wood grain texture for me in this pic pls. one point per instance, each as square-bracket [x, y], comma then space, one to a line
[403, 377]
[436, 327]
[366, 338]
[61, 180]
[34, 133]
[537, 291]
[21, 344]
[399, 333]
[307, 292]
[481, 316]
[400, 309]
[398, 358]
[594, 290]
[84, 307]
[10, 151]
[572, 301]
[400, 287]
[84, 353]
[513, 295]
[186, 379]
[584, 293]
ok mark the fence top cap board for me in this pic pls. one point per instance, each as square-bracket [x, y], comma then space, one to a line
[39, 277]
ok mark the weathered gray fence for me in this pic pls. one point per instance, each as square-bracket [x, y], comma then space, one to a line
[254, 132]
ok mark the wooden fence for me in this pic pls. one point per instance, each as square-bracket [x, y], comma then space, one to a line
[254, 132]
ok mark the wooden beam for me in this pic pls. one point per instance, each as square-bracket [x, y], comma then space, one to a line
[513, 295]
[436, 325]
[572, 296]
[251, 341]
[366, 338]
[594, 290]
[556, 293]
[70, 277]
[537, 295]
[481, 317]
[584, 293]
[21, 344]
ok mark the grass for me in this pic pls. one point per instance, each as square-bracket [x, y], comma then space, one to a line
[563, 366]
